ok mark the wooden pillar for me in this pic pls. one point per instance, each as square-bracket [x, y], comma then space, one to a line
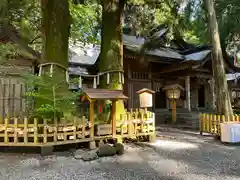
[91, 117]
[188, 96]
[114, 103]
[174, 111]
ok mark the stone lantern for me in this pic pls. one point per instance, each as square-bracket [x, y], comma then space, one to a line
[145, 97]
[173, 93]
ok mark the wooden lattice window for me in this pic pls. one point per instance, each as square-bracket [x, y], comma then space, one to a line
[140, 75]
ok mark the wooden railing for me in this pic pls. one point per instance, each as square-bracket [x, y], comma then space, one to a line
[38, 134]
[25, 132]
[137, 123]
[210, 123]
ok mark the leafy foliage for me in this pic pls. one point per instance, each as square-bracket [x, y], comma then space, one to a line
[7, 51]
[85, 22]
[58, 99]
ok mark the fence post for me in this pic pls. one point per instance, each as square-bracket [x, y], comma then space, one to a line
[15, 130]
[122, 123]
[45, 135]
[35, 131]
[25, 130]
[6, 120]
[215, 123]
[207, 123]
[114, 123]
[130, 124]
[55, 134]
[135, 123]
[218, 124]
[74, 128]
[238, 118]
[142, 121]
[210, 123]
[83, 127]
[223, 119]
[64, 129]
[201, 124]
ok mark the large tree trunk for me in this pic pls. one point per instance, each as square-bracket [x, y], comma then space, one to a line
[223, 103]
[55, 32]
[56, 24]
[111, 57]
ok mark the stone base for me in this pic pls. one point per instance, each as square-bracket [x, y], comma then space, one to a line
[46, 150]
[92, 145]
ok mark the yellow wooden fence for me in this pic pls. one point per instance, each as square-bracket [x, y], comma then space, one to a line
[210, 123]
[22, 133]
[137, 123]
[25, 132]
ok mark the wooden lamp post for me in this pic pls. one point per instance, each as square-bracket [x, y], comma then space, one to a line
[173, 93]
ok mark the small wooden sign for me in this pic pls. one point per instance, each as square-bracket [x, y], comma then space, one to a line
[145, 96]
[104, 129]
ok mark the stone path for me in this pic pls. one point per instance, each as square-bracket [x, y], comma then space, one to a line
[185, 156]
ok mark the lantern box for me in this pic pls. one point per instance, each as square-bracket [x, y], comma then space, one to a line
[145, 96]
[173, 91]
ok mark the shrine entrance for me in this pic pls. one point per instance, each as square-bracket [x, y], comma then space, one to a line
[160, 99]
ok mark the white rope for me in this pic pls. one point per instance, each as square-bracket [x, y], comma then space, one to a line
[96, 77]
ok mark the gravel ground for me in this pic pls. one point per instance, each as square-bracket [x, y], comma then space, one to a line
[185, 156]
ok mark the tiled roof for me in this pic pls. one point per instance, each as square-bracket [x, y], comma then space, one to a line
[231, 77]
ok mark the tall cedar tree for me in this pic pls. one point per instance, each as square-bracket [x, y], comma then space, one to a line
[55, 32]
[223, 103]
[111, 57]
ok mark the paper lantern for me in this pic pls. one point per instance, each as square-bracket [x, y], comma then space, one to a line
[173, 91]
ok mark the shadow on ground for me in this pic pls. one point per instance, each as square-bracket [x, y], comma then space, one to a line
[202, 155]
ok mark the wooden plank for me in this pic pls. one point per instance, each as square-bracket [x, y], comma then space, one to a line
[104, 129]
[25, 130]
[45, 133]
[84, 126]
[55, 130]
[65, 126]
[75, 128]
[142, 121]
[114, 110]
[15, 130]
[6, 120]
[35, 131]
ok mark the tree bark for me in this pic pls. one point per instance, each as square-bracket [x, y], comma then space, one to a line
[223, 103]
[55, 24]
[111, 57]
[55, 34]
